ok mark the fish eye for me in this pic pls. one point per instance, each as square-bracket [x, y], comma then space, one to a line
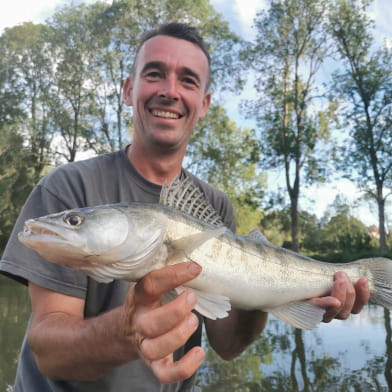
[73, 219]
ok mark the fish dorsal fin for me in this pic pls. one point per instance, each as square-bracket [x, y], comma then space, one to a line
[184, 195]
[258, 236]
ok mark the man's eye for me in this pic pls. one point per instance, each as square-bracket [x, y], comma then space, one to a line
[190, 81]
[153, 75]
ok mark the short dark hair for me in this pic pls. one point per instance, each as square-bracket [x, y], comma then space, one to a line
[180, 31]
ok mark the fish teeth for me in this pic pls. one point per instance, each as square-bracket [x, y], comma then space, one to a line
[164, 114]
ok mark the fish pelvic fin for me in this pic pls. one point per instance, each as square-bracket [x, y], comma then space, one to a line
[184, 195]
[381, 270]
[299, 314]
[182, 248]
[212, 306]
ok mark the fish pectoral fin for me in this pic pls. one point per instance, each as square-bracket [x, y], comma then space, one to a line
[212, 306]
[184, 246]
[301, 314]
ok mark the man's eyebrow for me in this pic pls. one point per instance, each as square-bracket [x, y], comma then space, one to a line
[161, 65]
[153, 64]
[190, 72]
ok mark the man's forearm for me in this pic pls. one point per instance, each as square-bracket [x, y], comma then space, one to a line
[66, 347]
[230, 336]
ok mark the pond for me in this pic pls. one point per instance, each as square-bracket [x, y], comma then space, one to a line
[343, 356]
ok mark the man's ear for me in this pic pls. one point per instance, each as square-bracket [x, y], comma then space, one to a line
[127, 91]
[205, 104]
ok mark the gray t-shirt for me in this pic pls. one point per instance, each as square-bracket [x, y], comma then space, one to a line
[105, 179]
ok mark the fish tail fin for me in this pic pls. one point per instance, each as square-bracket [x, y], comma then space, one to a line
[381, 269]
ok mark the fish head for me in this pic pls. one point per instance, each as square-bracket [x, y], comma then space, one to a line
[78, 237]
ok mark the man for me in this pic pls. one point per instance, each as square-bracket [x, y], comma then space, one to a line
[87, 336]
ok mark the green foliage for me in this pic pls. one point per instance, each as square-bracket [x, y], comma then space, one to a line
[25, 89]
[336, 237]
[16, 179]
[61, 83]
[366, 85]
[226, 156]
[289, 50]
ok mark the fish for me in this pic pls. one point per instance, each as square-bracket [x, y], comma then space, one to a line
[128, 240]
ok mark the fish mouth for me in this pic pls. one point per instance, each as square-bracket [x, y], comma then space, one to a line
[39, 231]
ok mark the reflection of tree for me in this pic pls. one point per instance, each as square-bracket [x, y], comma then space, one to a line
[299, 353]
[305, 370]
[388, 344]
[284, 359]
[14, 312]
[241, 375]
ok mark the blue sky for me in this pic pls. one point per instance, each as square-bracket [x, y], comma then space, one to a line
[240, 14]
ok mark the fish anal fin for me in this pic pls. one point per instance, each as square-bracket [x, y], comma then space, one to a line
[301, 314]
[212, 306]
[184, 246]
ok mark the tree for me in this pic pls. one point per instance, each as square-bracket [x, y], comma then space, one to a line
[366, 83]
[226, 156]
[74, 78]
[16, 179]
[26, 79]
[94, 49]
[289, 50]
[345, 234]
[61, 83]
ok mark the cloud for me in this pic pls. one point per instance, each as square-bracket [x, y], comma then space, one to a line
[246, 12]
[37, 11]
[381, 13]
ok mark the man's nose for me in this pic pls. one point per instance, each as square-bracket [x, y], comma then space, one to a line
[169, 88]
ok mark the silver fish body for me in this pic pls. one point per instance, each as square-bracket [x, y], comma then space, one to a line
[126, 241]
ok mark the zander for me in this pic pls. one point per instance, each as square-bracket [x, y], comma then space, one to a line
[128, 240]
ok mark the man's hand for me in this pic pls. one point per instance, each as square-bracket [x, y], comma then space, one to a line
[67, 346]
[157, 330]
[345, 298]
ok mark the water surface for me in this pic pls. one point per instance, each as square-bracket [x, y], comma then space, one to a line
[343, 356]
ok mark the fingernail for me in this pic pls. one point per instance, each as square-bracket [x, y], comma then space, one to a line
[199, 354]
[194, 268]
[191, 298]
[366, 285]
[193, 320]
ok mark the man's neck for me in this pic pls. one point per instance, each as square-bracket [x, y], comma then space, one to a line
[157, 168]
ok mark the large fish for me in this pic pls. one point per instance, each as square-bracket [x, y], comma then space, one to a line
[126, 241]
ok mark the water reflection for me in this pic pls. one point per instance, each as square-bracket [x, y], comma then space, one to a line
[344, 356]
[14, 313]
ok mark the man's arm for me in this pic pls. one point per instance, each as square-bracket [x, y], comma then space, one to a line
[231, 335]
[67, 346]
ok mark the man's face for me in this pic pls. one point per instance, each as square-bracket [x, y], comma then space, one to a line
[167, 92]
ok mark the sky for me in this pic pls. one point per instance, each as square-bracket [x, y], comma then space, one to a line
[240, 14]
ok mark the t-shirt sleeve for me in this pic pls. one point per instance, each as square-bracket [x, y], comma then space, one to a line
[25, 265]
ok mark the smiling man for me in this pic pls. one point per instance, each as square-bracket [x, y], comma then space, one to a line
[168, 92]
[90, 336]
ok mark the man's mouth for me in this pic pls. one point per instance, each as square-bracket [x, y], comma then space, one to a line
[165, 114]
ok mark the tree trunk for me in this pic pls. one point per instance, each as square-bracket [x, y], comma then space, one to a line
[381, 220]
